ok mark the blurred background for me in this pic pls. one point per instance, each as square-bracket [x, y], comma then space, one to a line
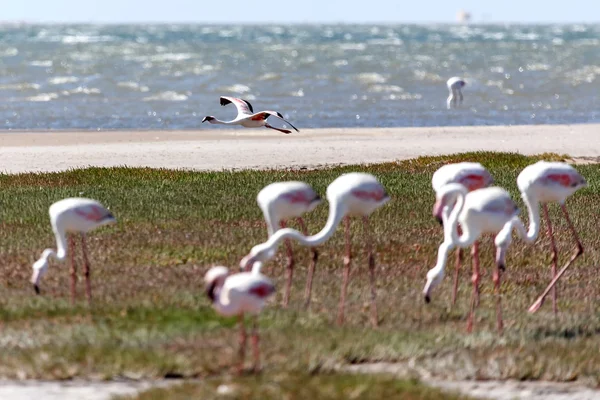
[136, 64]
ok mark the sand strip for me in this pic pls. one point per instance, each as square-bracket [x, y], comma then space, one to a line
[216, 149]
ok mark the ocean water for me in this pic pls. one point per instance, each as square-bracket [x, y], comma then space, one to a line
[171, 76]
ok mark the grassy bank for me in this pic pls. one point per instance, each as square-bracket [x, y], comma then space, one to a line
[150, 318]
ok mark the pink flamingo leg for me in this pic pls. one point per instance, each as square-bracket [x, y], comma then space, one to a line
[371, 256]
[86, 271]
[554, 256]
[277, 129]
[255, 345]
[496, 277]
[475, 280]
[290, 269]
[73, 269]
[311, 268]
[242, 349]
[579, 251]
[346, 277]
[459, 258]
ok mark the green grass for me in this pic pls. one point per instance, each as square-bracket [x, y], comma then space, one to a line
[278, 386]
[150, 318]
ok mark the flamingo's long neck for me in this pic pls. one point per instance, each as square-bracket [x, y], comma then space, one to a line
[468, 236]
[272, 223]
[337, 211]
[219, 122]
[534, 217]
[440, 266]
[61, 244]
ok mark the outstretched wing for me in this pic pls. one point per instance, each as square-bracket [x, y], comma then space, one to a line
[243, 106]
[278, 115]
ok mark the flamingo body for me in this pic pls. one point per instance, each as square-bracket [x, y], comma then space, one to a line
[280, 201]
[486, 210]
[550, 181]
[455, 85]
[246, 116]
[237, 295]
[545, 182]
[285, 200]
[71, 215]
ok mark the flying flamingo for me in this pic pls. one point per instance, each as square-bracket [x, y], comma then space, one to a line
[71, 215]
[487, 210]
[239, 294]
[455, 85]
[284, 200]
[350, 194]
[469, 174]
[545, 182]
[247, 117]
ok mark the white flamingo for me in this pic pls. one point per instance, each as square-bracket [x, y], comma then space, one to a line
[487, 210]
[71, 215]
[455, 85]
[247, 117]
[471, 175]
[237, 295]
[280, 201]
[350, 194]
[545, 182]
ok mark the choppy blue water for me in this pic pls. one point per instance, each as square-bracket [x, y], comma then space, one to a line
[170, 76]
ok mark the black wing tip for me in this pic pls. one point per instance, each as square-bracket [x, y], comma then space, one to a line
[36, 288]
[249, 105]
[224, 101]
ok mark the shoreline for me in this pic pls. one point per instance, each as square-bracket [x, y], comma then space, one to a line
[218, 149]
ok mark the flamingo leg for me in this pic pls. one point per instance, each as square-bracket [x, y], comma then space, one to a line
[242, 349]
[579, 251]
[346, 276]
[86, 270]
[372, 281]
[459, 258]
[73, 269]
[554, 256]
[277, 129]
[290, 269]
[311, 269]
[255, 345]
[475, 280]
[496, 277]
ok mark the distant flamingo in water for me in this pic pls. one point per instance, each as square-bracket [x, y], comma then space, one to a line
[455, 85]
[247, 117]
[471, 175]
[71, 215]
[284, 200]
[239, 294]
[350, 194]
[487, 210]
[545, 182]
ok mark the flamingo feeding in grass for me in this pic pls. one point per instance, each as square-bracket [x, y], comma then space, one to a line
[237, 295]
[455, 85]
[487, 210]
[350, 194]
[471, 175]
[71, 215]
[280, 201]
[247, 117]
[545, 182]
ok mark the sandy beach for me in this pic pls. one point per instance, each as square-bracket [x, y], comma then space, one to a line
[217, 149]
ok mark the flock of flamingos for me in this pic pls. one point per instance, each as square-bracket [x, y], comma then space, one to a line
[466, 204]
